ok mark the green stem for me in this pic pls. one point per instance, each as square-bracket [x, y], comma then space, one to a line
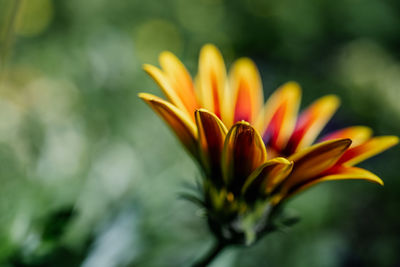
[211, 255]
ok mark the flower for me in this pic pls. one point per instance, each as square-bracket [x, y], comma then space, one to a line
[268, 154]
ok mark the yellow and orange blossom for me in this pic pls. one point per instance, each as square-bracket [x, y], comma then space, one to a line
[251, 152]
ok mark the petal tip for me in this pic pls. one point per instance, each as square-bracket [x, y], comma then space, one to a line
[283, 160]
[347, 141]
[243, 123]
[393, 140]
[168, 59]
[334, 100]
[366, 130]
[146, 96]
[209, 47]
[375, 179]
[165, 54]
[202, 110]
[245, 62]
[293, 86]
[389, 141]
[147, 67]
[152, 71]
[210, 51]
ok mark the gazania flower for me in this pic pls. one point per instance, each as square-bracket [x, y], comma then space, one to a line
[254, 156]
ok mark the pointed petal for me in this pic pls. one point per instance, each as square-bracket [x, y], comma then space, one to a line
[311, 122]
[340, 173]
[278, 118]
[368, 149]
[279, 174]
[211, 132]
[243, 152]
[166, 86]
[180, 80]
[314, 160]
[211, 79]
[178, 121]
[245, 81]
[357, 134]
[266, 177]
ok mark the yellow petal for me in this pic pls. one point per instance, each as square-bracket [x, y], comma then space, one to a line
[357, 134]
[266, 177]
[180, 80]
[179, 121]
[212, 80]
[312, 161]
[166, 86]
[211, 132]
[340, 173]
[311, 122]
[246, 84]
[278, 118]
[368, 149]
[243, 152]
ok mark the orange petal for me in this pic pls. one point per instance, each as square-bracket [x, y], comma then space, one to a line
[368, 149]
[312, 161]
[357, 134]
[246, 84]
[266, 177]
[180, 80]
[278, 118]
[179, 121]
[211, 132]
[212, 79]
[166, 86]
[243, 152]
[340, 173]
[311, 122]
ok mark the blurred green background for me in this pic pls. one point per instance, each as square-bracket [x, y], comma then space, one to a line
[91, 177]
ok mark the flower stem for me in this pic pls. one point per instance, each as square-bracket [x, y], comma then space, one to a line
[211, 255]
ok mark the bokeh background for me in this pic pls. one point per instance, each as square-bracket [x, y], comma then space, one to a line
[91, 177]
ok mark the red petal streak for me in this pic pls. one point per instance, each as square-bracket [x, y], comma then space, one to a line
[311, 162]
[368, 149]
[243, 107]
[357, 134]
[311, 122]
[271, 135]
[214, 86]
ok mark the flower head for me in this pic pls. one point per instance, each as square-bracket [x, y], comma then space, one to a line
[254, 156]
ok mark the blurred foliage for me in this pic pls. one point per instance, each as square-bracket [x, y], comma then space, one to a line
[91, 177]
